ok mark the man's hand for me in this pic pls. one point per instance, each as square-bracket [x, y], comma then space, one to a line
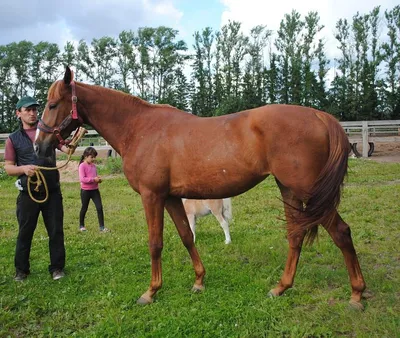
[71, 149]
[68, 149]
[29, 170]
[75, 140]
[13, 170]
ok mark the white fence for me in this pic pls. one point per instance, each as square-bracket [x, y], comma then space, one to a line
[365, 132]
[370, 132]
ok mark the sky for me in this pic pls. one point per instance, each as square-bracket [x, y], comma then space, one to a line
[73, 20]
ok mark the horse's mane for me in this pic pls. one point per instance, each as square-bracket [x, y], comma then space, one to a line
[55, 92]
[128, 98]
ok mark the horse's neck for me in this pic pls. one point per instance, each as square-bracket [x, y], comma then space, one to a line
[114, 124]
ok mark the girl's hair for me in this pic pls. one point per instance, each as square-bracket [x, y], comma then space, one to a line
[89, 151]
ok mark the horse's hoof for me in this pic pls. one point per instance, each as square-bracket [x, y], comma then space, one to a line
[356, 305]
[197, 288]
[272, 294]
[144, 301]
[227, 242]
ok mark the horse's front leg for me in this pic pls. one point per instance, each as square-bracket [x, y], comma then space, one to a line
[177, 212]
[154, 210]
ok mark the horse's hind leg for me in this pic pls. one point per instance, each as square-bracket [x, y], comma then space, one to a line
[341, 235]
[291, 203]
[177, 212]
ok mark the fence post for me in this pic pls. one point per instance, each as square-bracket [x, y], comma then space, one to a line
[365, 139]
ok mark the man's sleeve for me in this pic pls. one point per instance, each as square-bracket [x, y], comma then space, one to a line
[9, 152]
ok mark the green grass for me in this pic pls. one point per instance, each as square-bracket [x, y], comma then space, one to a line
[106, 273]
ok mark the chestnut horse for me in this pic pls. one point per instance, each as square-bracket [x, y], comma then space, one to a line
[169, 154]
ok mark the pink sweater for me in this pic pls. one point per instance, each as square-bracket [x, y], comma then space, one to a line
[87, 173]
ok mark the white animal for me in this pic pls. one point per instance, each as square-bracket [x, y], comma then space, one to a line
[220, 208]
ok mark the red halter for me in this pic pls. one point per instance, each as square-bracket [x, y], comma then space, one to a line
[65, 123]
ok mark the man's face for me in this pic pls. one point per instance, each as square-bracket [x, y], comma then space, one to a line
[28, 115]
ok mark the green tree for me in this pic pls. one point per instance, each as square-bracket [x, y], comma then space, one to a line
[142, 73]
[309, 52]
[341, 88]
[355, 91]
[272, 78]
[203, 96]
[167, 56]
[84, 62]
[7, 97]
[45, 61]
[104, 54]
[126, 60]
[289, 46]
[231, 47]
[21, 55]
[391, 58]
[178, 93]
[253, 80]
[319, 86]
[68, 56]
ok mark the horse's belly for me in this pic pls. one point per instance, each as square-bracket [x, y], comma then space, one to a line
[215, 187]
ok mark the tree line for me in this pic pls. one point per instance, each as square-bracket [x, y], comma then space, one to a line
[227, 71]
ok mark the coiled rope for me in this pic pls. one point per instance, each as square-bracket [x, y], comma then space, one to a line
[40, 179]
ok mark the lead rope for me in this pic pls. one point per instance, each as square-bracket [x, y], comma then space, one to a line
[38, 171]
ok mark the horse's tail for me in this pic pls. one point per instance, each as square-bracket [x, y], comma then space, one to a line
[324, 197]
[227, 208]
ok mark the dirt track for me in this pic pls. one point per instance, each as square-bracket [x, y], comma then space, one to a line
[386, 152]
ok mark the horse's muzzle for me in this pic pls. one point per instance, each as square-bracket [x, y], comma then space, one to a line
[43, 149]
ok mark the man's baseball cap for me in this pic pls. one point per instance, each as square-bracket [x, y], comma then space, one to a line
[26, 101]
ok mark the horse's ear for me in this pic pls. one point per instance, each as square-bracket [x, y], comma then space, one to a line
[68, 76]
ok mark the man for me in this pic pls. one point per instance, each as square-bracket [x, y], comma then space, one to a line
[21, 161]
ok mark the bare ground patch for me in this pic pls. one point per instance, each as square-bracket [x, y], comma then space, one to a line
[386, 152]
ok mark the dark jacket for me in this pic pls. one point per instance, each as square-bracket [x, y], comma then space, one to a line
[25, 155]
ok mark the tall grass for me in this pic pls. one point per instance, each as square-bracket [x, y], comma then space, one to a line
[106, 273]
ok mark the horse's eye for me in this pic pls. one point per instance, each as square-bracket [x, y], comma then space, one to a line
[52, 105]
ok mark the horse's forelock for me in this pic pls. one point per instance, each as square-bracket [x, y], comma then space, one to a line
[54, 94]
[54, 91]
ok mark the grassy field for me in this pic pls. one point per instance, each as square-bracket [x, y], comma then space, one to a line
[106, 273]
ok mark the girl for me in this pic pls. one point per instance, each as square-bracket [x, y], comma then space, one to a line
[90, 188]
